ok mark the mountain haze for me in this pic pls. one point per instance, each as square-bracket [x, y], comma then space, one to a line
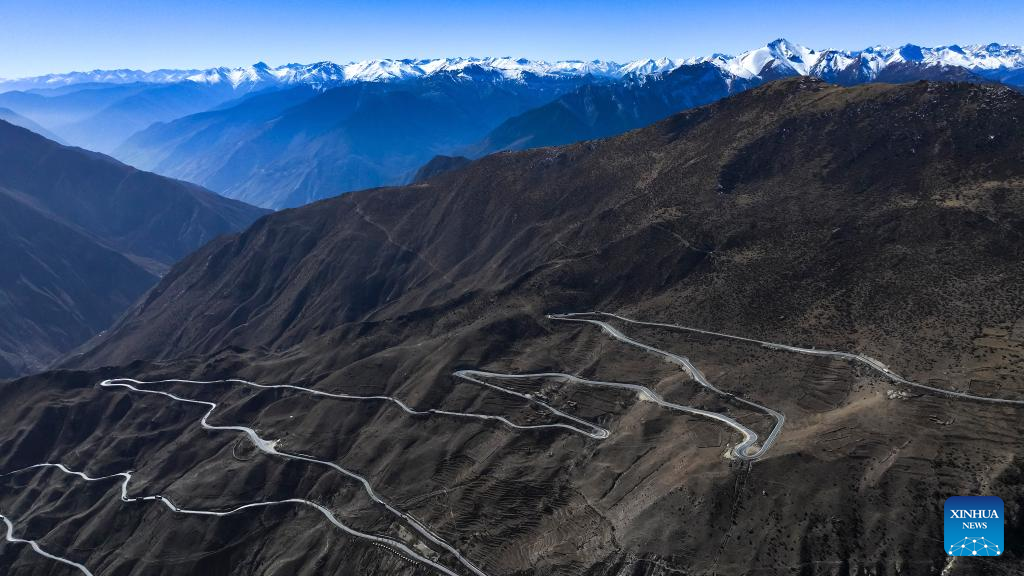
[83, 237]
[12, 117]
[101, 116]
[293, 147]
[378, 121]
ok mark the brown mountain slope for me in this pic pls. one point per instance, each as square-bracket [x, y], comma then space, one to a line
[83, 236]
[799, 200]
[881, 219]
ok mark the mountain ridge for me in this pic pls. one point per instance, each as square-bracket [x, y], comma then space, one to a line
[192, 124]
[289, 147]
[991, 58]
[83, 236]
[218, 151]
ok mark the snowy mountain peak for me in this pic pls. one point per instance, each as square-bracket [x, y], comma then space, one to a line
[649, 66]
[780, 57]
[789, 50]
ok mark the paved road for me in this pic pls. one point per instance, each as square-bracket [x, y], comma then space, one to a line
[462, 374]
[10, 537]
[645, 393]
[126, 477]
[270, 447]
[861, 358]
[589, 429]
[745, 450]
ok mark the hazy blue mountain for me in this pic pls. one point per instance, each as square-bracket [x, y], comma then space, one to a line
[8, 115]
[104, 130]
[384, 119]
[294, 146]
[287, 135]
[194, 146]
[65, 107]
[82, 236]
[101, 117]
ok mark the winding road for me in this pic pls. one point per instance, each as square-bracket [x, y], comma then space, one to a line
[10, 537]
[748, 449]
[397, 546]
[741, 451]
[860, 358]
[745, 450]
[126, 477]
[270, 447]
[596, 432]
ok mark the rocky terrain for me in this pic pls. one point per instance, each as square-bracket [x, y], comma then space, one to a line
[884, 220]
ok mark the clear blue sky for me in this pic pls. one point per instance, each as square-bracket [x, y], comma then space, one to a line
[61, 35]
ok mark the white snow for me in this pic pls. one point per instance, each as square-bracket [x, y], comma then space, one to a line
[781, 56]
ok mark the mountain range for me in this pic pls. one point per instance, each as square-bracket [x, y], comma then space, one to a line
[991, 60]
[326, 356]
[291, 147]
[99, 117]
[285, 136]
[82, 236]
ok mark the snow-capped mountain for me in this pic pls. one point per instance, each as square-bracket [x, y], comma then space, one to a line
[784, 58]
[778, 58]
[649, 66]
[326, 74]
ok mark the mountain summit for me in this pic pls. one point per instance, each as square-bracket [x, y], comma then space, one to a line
[780, 55]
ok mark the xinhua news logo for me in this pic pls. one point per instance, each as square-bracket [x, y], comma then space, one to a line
[974, 526]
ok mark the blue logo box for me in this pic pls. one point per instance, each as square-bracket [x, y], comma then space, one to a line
[973, 526]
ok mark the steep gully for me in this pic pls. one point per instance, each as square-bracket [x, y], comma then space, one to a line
[746, 450]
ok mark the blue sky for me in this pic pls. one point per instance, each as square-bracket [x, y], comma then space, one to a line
[61, 35]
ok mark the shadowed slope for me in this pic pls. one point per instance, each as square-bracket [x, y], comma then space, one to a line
[83, 237]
